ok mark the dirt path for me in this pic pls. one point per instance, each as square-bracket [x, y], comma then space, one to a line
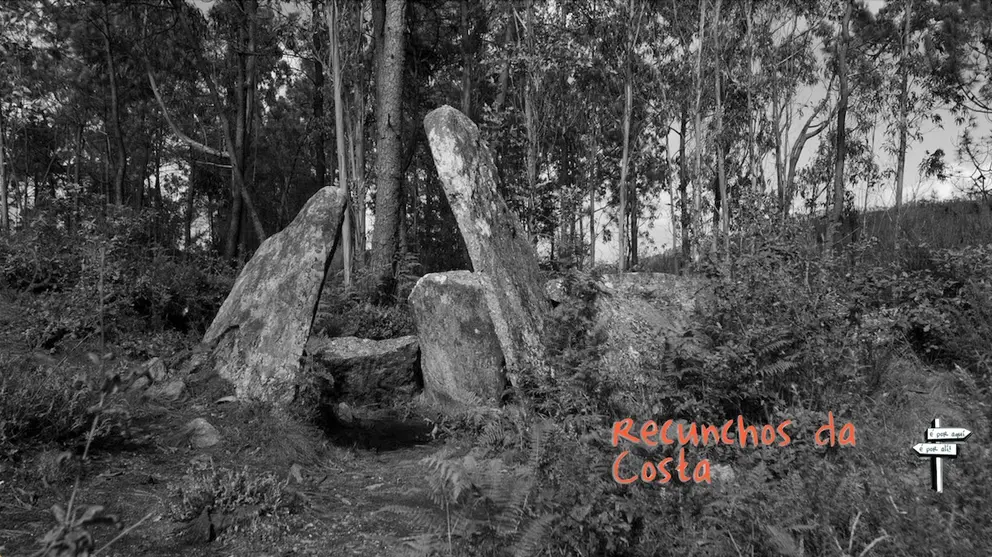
[334, 509]
[331, 494]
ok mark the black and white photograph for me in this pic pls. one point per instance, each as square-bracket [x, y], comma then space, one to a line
[496, 278]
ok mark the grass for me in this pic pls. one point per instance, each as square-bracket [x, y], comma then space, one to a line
[42, 404]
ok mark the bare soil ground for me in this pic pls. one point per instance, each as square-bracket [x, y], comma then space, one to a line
[333, 493]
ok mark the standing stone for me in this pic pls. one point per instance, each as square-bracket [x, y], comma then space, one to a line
[360, 369]
[270, 310]
[497, 243]
[460, 354]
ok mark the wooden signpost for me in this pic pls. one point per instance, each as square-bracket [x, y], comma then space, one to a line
[941, 444]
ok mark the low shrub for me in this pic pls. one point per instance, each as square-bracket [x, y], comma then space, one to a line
[351, 312]
[223, 491]
[41, 405]
[146, 286]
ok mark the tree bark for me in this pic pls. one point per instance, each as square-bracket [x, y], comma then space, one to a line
[628, 95]
[190, 205]
[903, 119]
[465, 5]
[358, 148]
[333, 17]
[117, 136]
[841, 144]
[4, 208]
[73, 218]
[358, 169]
[320, 138]
[389, 85]
[530, 122]
[593, 183]
[159, 209]
[720, 163]
[671, 197]
[779, 148]
[138, 195]
[752, 162]
[504, 74]
[697, 186]
[686, 220]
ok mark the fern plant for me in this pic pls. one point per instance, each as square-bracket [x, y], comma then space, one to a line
[484, 506]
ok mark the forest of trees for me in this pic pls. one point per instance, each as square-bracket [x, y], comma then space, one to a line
[220, 119]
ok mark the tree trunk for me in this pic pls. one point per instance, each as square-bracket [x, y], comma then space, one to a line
[593, 183]
[530, 122]
[76, 186]
[358, 148]
[752, 162]
[320, 138]
[358, 169]
[504, 74]
[159, 209]
[628, 105]
[239, 146]
[138, 196]
[697, 186]
[632, 232]
[4, 209]
[628, 92]
[684, 186]
[237, 149]
[779, 150]
[466, 60]
[671, 199]
[720, 163]
[120, 164]
[389, 85]
[841, 144]
[190, 205]
[333, 22]
[903, 119]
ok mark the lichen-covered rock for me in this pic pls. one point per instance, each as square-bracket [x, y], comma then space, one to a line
[270, 310]
[201, 433]
[460, 354]
[365, 370]
[167, 391]
[555, 290]
[497, 243]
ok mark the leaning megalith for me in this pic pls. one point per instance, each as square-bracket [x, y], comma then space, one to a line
[460, 354]
[262, 328]
[497, 243]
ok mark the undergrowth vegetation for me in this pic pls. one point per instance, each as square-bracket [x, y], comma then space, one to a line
[148, 286]
[791, 334]
[884, 341]
[356, 311]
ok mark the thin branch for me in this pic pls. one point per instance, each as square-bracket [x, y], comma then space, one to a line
[172, 125]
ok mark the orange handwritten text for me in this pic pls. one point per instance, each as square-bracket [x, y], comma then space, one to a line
[650, 434]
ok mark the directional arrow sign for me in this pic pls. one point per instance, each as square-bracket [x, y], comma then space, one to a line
[947, 434]
[936, 449]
